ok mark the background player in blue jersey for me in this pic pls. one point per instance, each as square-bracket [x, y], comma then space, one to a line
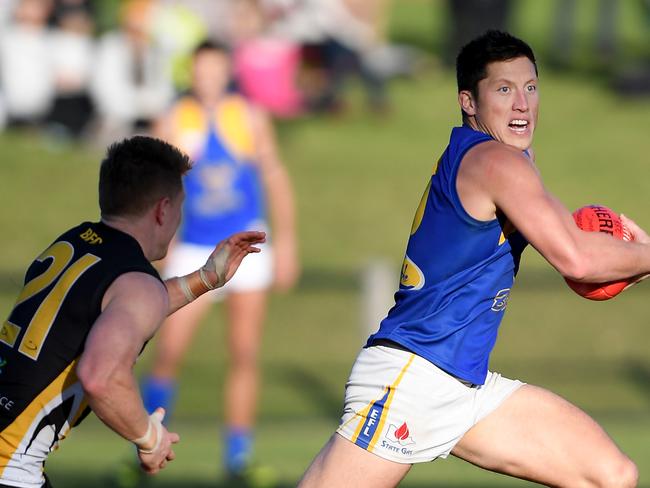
[236, 171]
[90, 303]
[421, 388]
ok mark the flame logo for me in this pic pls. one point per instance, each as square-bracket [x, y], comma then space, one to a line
[399, 435]
[402, 433]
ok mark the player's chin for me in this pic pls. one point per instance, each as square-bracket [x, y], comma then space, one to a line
[520, 141]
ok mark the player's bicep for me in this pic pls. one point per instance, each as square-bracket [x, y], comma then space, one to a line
[518, 192]
[134, 307]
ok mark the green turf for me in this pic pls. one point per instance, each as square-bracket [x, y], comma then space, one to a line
[358, 181]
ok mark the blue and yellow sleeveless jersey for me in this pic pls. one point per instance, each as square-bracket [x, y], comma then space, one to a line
[223, 190]
[456, 276]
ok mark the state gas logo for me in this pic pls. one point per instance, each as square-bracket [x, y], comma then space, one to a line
[397, 439]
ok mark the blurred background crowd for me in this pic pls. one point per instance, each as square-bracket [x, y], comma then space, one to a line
[104, 68]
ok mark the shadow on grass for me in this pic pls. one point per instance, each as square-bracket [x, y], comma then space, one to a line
[638, 374]
[325, 400]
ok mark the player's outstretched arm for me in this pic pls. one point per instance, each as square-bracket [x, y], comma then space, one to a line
[133, 308]
[218, 269]
[502, 179]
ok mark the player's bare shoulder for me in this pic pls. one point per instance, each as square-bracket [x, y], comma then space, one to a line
[485, 170]
[138, 289]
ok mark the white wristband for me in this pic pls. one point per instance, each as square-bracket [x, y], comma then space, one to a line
[185, 288]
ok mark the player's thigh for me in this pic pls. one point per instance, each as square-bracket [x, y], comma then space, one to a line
[537, 435]
[246, 311]
[342, 463]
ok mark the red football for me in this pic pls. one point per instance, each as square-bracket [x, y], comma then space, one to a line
[597, 218]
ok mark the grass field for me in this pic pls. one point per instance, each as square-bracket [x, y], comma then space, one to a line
[358, 181]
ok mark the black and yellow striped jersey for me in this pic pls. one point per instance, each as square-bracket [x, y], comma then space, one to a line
[42, 339]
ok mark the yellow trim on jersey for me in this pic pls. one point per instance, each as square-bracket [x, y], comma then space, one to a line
[231, 118]
[188, 115]
[419, 213]
[507, 229]
[233, 121]
[12, 436]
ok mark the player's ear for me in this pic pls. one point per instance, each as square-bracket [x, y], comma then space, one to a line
[467, 102]
[161, 210]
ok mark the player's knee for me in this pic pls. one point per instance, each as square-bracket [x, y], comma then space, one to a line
[621, 473]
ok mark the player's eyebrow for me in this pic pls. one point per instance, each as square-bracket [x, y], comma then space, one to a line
[511, 82]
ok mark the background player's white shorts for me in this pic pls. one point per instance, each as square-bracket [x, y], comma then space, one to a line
[403, 408]
[254, 273]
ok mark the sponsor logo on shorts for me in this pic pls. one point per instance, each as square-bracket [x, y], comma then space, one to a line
[500, 300]
[397, 439]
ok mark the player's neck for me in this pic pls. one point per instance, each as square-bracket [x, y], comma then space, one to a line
[136, 228]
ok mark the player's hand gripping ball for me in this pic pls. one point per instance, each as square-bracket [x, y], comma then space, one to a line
[596, 218]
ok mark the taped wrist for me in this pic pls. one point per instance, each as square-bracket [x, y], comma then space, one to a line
[186, 289]
[153, 429]
[217, 264]
[206, 281]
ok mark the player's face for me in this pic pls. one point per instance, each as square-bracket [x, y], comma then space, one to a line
[507, 102]
[210, 75]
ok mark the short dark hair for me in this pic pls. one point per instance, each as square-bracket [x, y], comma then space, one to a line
[474, 57]
[137, 172]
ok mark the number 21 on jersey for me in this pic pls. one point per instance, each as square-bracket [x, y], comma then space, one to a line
[63, 272]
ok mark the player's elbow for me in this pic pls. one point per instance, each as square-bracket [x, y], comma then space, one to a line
[575, 267]
[94, 383]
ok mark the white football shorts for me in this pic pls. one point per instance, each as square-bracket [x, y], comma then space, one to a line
[255, 271]
[403, 408]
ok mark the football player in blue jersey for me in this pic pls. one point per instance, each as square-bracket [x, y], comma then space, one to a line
[421, 389]
[238, 182]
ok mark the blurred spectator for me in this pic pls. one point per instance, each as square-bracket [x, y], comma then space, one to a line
[471, 18]
[3, 113]
[177, 28]
[213, 13]
[131, 82]
[72, 60]
[26, 77]
[564, 39]
[634, 80]
[337, 40]
[6, 11]
[266, 67]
